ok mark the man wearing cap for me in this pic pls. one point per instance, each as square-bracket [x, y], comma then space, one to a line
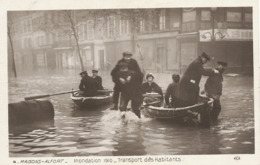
[151, 87]
[171, 91]
[88, 85]
[213, 88]
[132, 65]
[97, 78]
[187, 91]
[130, 88]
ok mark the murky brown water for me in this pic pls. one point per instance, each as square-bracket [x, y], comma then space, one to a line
[77, 132]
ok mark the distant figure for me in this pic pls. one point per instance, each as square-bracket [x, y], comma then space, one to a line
[213, 88]
[187, 91]
[132, 65]
[130, 88]
[88, 86]
[171, 89]
[151, 87]
[97, 78]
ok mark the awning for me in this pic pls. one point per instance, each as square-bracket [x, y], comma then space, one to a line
[63, 48]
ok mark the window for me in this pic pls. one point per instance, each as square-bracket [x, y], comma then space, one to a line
[124, 27]
[248, 17]
[188, 15]
[162, 19]
[81, 32]
[100, 28]
[205, 15]
[90, 30]
[111, 26]
[233, 16]
[142, 25]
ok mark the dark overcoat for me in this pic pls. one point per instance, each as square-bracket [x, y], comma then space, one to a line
[89, 86]
[214, 85]
[98, 79]
[188, 87]
[170, 93]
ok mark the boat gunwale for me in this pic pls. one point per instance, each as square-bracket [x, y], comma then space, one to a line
[179, 109]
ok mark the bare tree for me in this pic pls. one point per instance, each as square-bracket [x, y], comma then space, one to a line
[66, 25]
[11, 33]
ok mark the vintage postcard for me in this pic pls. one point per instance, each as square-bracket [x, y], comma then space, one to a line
[123, 82]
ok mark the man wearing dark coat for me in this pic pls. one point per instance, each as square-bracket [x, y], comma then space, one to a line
[97, 78]
[130, 89]
[88, 85]
[151, 87]
[132, 65]
[187, 91]
[213, 88]
[171, 91]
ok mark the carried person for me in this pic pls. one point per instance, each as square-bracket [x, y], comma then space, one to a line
[132, 65]
[88, 86]
[213, 88]
[130, 89]
[187, 91]
[171, 89]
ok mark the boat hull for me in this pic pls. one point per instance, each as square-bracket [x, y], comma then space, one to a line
[92, 102]
[199, 113]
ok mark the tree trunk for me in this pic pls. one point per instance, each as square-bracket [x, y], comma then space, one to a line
[78, 50]
[12, 52]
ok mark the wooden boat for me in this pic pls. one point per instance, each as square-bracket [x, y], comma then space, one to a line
[104, 98]
[198, 113]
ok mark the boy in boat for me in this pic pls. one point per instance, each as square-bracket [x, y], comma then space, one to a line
[151, 87]
[187, 91]
[88, 86]
[130, 88]
[213, 88]
[97, 78]
[171, 91]
[132, 65]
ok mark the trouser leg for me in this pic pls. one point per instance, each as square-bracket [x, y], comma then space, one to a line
[123, 103]
[116, 96]
[136, 103]
[215, 110]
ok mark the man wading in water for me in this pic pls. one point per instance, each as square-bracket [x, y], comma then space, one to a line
[132, 65]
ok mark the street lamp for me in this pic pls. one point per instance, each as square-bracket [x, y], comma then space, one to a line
[213, 11]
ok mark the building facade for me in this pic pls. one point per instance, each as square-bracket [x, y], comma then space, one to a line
[162, 40]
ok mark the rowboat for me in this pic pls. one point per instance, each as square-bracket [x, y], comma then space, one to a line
[102, 99]
[198, 113]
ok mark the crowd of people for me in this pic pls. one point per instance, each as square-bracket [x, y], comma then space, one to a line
[182, 92]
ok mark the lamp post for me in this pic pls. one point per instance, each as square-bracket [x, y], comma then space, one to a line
[213, 11]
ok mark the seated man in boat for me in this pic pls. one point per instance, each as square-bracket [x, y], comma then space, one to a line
[130, 89]
[149, 88]
[97, 78]
[88, 86]
[171, 90]
[213, 89]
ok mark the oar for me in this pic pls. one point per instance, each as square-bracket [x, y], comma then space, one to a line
[48, 95]
[60, 93]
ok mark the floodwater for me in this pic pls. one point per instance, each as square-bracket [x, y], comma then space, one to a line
[101, 132]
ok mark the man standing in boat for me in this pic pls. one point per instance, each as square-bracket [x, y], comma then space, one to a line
[97, 78]
[187, 91]
[213, 88]
[130, 88]
[132, 65]
[88, 86]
